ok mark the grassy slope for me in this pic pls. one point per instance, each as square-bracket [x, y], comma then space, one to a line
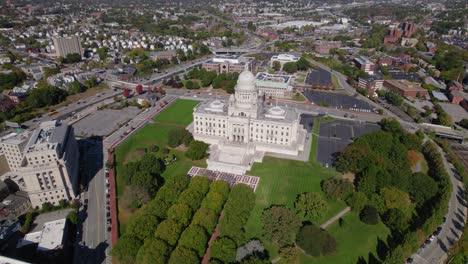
[180, 113]
[354, 239]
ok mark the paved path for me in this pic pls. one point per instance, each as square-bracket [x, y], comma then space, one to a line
[336, 217]
[206, 257]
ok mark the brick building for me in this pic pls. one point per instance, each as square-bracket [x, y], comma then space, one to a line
[365, 65]
[323, 47]
[405, 88]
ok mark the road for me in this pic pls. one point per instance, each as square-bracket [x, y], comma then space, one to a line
[95, 236]
[452, 228]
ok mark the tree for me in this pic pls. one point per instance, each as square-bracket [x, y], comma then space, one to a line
[178, 136]
[357, 201]
[182, 255]
[337, 188]
[72, 217]
[290, 67]
[72, 58]
[310, 206]
[197, 150]
[196, 238]
[422, 187]
[464, 123]
[153, 251]
[221, 187]
[396, 220]
[169, 230]
[45, 95]
[126, 92]
[139, 89]
[276, 65]
[126, 248]
[214, 201]
[191, 197]
[224, 249]
[280, 225]
[180, 213]
[146, 180]
[315, 241]
[200, 184]
[205, 218]
[48, 71]
[142, 225]
[369, 215]
[290, 255]
[134, 197]
[302, 64]
[397, 199]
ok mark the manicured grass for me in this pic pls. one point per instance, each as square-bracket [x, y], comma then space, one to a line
[179, 113]
[336, 83]
[281, 181]
[354, 239]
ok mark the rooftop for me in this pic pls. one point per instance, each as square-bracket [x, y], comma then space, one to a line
[15, 138]
[405, 85]
[48, 136]
[272, 80]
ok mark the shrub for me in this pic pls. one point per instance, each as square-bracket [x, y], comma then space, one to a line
[337, 188]
[315, 241]
[197, 150]
[369, 215]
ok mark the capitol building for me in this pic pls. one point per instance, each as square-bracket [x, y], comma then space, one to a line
[242, 129]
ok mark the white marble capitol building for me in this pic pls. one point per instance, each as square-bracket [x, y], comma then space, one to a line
[243, 129]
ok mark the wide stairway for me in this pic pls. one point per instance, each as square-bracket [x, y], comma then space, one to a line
[233, 157]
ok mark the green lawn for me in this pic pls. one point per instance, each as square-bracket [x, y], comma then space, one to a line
[282, 180]
[179, 113]
[354, 239]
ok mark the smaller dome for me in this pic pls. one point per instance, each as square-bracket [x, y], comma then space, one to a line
[217, 104]
[276, 111]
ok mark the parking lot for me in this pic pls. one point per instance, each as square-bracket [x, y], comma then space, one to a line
[104, 122]
[336, 135]
[336, 100]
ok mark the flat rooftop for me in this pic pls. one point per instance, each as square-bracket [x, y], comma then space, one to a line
[405, 85]
[48, 136]
[15, 138]
[272, 80]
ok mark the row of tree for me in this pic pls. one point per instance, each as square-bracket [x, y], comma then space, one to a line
[231, 226]
[143, 225]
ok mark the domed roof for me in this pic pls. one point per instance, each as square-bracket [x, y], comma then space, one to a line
[246, 81]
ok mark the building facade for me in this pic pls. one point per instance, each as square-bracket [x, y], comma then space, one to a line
[323, 47]
[283, 58]
[12, 146]
[50, 164]
[242, 129]
[275, 85]
[365, 65]
[230, 64]
[67, 45]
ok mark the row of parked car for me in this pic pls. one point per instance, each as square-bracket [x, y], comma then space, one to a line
[108, 213]
[427, 242]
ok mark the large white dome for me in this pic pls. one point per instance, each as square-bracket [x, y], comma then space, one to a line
[246, 81]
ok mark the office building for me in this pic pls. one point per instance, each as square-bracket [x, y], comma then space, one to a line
[405, 88]
[365, 65]
[50, 164]
[282, 59]
[275, 85]
[230, 64]
[67, 45]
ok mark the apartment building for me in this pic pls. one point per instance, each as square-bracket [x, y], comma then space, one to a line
[67, 45]
[50, 164]
[365, 65]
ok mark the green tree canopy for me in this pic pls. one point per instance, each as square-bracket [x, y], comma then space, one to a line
[169, 230]
[153, 251]
[182, 255]
[180, 213]
[126, 248]
[224, 249]
[310, 206]
[196, 238]
[315, 241]
[280, 225]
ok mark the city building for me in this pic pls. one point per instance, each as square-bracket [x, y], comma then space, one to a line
[455, 86]
[52, 236]
[275, 85]
[8, 227]
[50, 164]
[456, 97]
[323, 47]
[242, 129]
[230, 64]
[67, 45]
[12, 146]
[405, 88]
[283, 58]
[371, 84]
[365, 65]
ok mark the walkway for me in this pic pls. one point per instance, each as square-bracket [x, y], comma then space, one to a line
[206, 257]
[336, 217]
